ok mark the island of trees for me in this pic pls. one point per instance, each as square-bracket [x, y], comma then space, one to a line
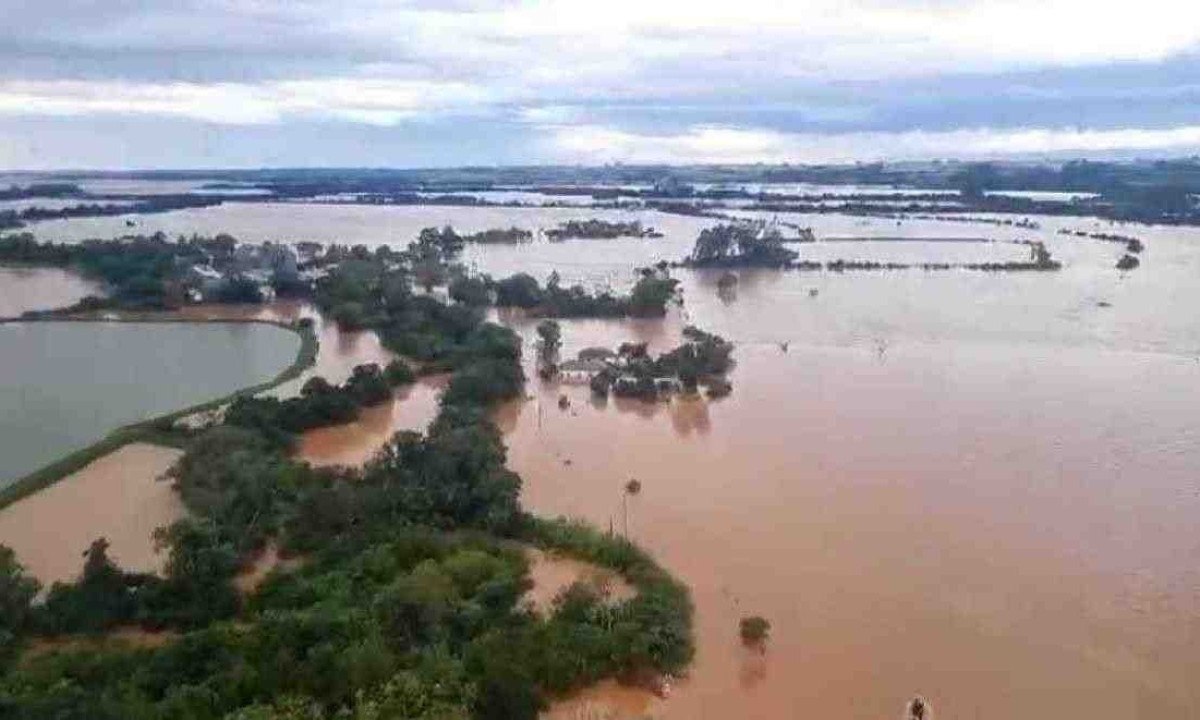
[701, 361]
[759, 245]
[600, 230]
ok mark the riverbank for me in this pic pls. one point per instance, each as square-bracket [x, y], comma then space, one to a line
[159, 429]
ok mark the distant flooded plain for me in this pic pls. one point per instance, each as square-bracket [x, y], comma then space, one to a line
[977, 487]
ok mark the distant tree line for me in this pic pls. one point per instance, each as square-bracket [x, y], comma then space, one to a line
[11, 219]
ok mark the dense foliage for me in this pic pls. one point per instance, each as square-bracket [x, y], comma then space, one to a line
[143, 271]
[649, 297]
[318, 404]
[740, 245]
[406, 601]
[375, 291]
[593, 229]
[703, 359]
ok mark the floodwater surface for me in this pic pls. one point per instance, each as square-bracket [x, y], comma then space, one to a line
[119, 497]
[64, 385]
[976, 487]
[412, 407]
[994, 528]
[25, 289]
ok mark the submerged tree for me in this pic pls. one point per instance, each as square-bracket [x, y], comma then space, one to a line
[632, 488]
[741, 244]
[754, 630]
[550, 338]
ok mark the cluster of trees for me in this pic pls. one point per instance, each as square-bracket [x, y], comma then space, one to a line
[407, 602]
[741, 245]
[319, 403]
[137, 270]
[501, 236]
[1128, 262]
[649, 297]
[703, 359]
[600, 230]
[141, 271]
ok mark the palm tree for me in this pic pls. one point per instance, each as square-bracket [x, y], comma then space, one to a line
[632, 487]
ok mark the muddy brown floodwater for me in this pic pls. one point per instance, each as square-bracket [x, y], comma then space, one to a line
[1005, 530]
[24, 289]
[413, 407]
[551, 574]
[117, 496]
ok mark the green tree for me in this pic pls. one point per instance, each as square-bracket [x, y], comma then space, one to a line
[17, 591]
[550, 340]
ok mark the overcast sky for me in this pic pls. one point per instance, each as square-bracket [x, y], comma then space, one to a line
[235, 83]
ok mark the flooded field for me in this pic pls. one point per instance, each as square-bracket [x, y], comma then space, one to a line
[64, 385]
[344, 223]
[995, 528]
[118, 497]
[24, 289]
[978, 487]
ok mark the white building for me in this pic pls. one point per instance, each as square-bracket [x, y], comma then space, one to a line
[580, 371]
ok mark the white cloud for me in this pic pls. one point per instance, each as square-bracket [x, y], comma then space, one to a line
[714, 144]
[559, 52]
[369, 101]
[585, 69]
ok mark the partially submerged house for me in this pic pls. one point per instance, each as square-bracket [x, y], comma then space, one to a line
[580, 371]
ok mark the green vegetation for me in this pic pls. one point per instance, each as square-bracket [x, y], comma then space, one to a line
[375, 290]
[318, 404]
[16, 600]
[703, 359]
[754, 629]
[741, 245]
[549, 341]
[650, 295]
[600, 230]
[407, 602]
[152, 272]
[500, 236]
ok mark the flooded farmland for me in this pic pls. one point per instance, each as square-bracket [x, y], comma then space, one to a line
[978, 487]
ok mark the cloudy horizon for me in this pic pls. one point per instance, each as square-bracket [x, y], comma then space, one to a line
[228, 83]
